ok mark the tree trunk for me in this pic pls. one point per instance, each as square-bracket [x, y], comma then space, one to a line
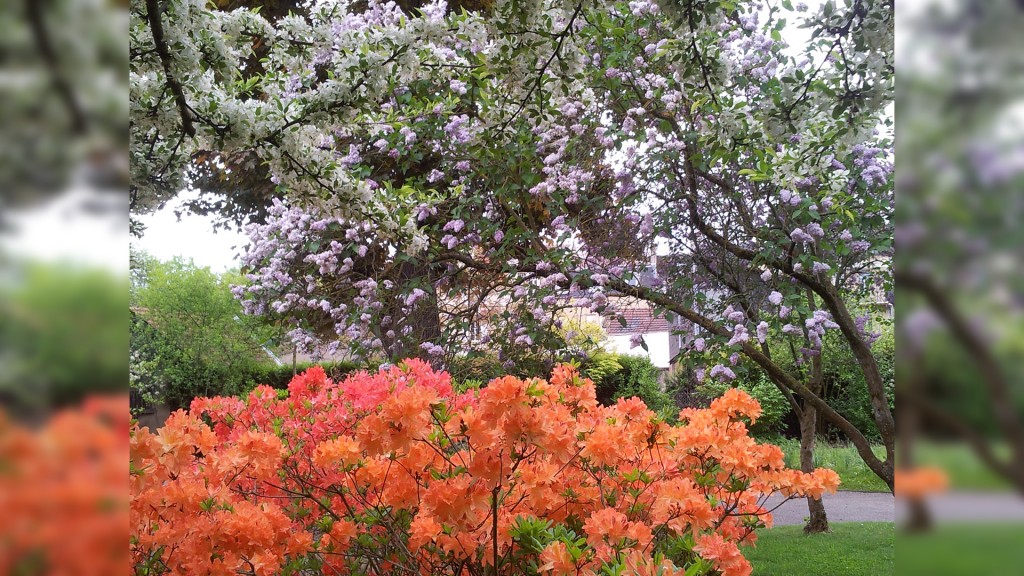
[818, 520]
[920, 517]
[424, 317]
[882, 415]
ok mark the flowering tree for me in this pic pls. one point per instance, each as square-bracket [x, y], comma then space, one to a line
[395, 472]
[959, 259]
[431, 161]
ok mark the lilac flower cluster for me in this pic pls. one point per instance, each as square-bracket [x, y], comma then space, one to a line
[875, 166]
[305, 265]
[722, 373]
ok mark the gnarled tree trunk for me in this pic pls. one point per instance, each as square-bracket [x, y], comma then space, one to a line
[818, 519]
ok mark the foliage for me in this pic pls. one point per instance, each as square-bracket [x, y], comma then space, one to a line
[774, 405]
[638, 377]
[600, 365]
[65, 491]
[850, 549]
[64, 122]
[843, 381]
[587, 337]
[951, 377]
[395, 470]
[959, 262]
[190, 336]
[60, 338]
[845, 385]
[279, 377]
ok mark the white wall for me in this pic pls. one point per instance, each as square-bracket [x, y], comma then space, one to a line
[657, 345]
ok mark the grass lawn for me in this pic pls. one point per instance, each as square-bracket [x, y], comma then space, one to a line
[963, 550]
[966, 472]
[851, 549]
[842, 458]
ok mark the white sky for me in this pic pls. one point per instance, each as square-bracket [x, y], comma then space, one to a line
[191, 237]
[61, 231]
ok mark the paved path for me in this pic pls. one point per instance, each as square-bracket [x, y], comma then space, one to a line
[840, 507]
[882, 507]
[973, 506]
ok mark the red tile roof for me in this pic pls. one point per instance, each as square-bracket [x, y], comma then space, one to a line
[638, 321]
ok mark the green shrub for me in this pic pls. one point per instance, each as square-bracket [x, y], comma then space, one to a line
[638, 377]
[774, 405]
[475, 368]
[843, 381]
[600, 364]
[62, 334]
[189, 335]
[279, 376]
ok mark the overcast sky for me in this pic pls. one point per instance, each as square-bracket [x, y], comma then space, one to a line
[191, 237]
[63, 229]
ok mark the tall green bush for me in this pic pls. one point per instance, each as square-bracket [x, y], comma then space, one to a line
[774, 405]
[62, 334]
[190, 336]
[637, 377]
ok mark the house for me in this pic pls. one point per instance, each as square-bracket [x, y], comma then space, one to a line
[657, 333]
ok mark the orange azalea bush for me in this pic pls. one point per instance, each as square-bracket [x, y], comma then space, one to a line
[395, 472]
[64, 492]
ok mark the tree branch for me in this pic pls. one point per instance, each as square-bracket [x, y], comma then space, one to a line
[34, 8]
[157, 28]
[884, 469]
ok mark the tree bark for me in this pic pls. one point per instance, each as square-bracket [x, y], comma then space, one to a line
[424, 317]
[818, 520]
[881, 413]
[920, 517]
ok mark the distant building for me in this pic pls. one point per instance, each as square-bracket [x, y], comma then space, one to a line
[657, 333]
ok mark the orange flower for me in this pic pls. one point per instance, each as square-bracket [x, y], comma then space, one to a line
[605, 524]
[557, 560]
[604, 445]
[424, 529]
[369, 452]
[916, 483]
[640, 564]
[724, 554]
[341, 451]
[341, 533]
[736, 402]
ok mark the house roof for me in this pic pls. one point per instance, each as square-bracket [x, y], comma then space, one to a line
[640, 320]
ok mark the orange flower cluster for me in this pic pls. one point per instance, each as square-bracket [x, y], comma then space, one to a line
[64, 493]
[917, 483]
[396, 473]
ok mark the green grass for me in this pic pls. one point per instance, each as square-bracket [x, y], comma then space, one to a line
[842, 458]
[851, 549]
[965, 471]
[963, 550]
